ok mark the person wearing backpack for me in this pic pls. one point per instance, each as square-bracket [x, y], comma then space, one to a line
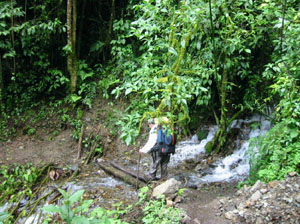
[160, 147]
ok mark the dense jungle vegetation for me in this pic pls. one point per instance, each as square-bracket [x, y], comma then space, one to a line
[190, 60]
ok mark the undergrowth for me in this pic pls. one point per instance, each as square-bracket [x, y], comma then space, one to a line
[18, 181]
[276, 154]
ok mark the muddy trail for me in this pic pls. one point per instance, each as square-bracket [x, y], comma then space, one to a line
[205, 178]
[200, 204]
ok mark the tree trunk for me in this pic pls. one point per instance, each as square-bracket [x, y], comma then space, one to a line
[120, 174]
[139, 176]
[220, 138]
[224, 122]
[71, 36]
[110, 26]
[12, 36]
[80, 30]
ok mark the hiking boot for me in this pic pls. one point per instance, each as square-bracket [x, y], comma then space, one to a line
[163, 179]
[152, 178]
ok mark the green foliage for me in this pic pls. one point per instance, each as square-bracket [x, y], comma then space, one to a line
[171, 57]
[202, 134]
[30, 51]
[278, 152]
[181, 191]
[75, 210]
[7, 10]
[156, 211]
[143, 194]
[3, 216]
[126, 125]
[18, 181]
[120, 210]
[86, 86]
[153, 76]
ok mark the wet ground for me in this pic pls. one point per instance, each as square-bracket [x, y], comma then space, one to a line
[61, 149]
[107, 192]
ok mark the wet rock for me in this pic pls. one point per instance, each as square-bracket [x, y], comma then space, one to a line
[235, 164]
[170, 203]
[201, 166]
[186, 220]
[167, 188]
[195, 139]
[178, 200]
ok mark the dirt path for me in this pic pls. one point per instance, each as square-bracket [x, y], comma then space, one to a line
[202, 206]
[40, 149]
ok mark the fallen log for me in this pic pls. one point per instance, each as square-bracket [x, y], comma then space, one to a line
[141, 177]
[109, 169]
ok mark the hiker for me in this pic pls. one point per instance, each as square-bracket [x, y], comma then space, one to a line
[155, 148]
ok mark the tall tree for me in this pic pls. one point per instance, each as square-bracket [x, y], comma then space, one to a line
[110, 26]
[71, 33]
[12, 36]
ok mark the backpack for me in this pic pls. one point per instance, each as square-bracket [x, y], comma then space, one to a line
[167, 140]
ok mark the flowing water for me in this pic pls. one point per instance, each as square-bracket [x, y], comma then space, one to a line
[107, 191]
[234, 167]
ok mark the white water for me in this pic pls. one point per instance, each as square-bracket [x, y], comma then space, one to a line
[186, 150]
[231, 168]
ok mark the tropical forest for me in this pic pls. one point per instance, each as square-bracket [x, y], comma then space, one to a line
[81, 82]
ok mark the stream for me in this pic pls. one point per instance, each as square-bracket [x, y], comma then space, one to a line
[185, 165]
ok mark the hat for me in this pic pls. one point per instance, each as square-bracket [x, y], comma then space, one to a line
[158, 120]
[151, 121]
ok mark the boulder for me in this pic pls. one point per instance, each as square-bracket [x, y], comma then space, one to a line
[167, 188]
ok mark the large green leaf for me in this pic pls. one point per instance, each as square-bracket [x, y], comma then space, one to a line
[84, 206]
[51, 208]
[80, 220]
[76, 196]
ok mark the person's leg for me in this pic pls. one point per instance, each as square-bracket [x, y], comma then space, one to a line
[156, 159]
[164, 165]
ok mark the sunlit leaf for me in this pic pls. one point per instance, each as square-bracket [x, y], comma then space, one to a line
[76, 196]
[129, 90]
[51, 208]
